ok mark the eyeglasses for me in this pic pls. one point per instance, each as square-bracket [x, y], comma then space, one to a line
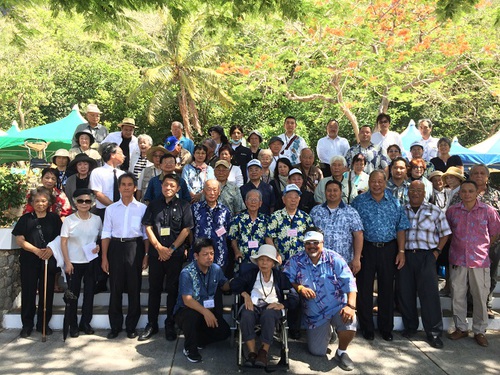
[417, 167]
[84, 201]
[312, 243]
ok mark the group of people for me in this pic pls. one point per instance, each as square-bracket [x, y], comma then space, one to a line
[324, 233]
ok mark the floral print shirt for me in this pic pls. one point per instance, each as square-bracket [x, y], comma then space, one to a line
[249, 235]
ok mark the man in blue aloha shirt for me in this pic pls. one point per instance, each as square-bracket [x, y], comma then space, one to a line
[328, 290]
[211, 220]
[287, 226]
[248, 228]
[341, 225]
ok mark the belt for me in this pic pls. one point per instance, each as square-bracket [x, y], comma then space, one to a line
[133, 239]
[380, 244]
[417, 250]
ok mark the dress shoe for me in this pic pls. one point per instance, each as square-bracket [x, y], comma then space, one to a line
[294, 334]
[74, 332]
[435, 341]
[387, 336]
[112, 335]
[132, 334]
[457, 334]
[261, 359]
[170, 332]
[369, 335]
[149, 331]
[48, 330]
[26, 332]
[408, 333]
[86, 328]
[345, 363]
[481, 339]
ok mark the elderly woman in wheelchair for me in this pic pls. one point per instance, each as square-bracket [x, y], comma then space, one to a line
[266, 293]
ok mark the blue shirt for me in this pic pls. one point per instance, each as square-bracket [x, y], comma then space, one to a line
[381, 220]
[399, 192]
[154, 192]
[187, 144]
[213, 223]
[337, 225]
[331, 279]
[244, 230]
[195, 178]
[200, 286]
[288, 233]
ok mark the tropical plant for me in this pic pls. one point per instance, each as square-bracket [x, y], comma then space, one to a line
[13, 190]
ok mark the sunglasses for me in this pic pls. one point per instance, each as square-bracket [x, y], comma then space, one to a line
[313, 243]
[84, 201]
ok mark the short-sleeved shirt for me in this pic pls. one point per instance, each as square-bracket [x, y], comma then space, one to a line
[399, 192]
[230, 197]
[102, 180]
[213, 223]
[249, 235]
[331, 279]
[338, 225]
[201, 287]
[328, 147]
[80, 233]
[376, 158]
[27, 227]
[195, 177]
[381, 220]
[292, 152]
[170, 219]
[453, 161]
[472, 233]
[99, 132]
[154, 190]
[124, 221]
[268, 195]
[287, 232]
[187, 144]
[427, 226]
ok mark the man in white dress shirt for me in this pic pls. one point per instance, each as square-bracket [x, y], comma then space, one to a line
[430, 143]
[125, 249]
[128, 142]
[330, 146]
[385, 137]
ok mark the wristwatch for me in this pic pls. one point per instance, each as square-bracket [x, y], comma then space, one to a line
[173, 247]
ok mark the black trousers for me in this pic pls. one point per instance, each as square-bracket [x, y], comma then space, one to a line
[32, 279]
[158, 271]
[85, 272]
[418, 278]
[377, 261]
[125, 268]
[196, 332]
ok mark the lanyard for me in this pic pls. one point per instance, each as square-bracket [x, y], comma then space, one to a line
[264, 289]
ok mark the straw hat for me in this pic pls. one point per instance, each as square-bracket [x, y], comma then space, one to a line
[61, 152]
[152, 150]
[455, 172]
[92, 108]
[127, 121]
[435, 174]
[257, 133]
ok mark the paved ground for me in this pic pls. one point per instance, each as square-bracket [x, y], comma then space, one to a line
[95, 354]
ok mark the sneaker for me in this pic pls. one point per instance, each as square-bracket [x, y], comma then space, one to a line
[193, 357]
[345, 363]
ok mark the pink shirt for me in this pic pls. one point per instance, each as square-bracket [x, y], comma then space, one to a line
[472, 233]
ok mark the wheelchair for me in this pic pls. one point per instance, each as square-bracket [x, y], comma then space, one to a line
[280, 337]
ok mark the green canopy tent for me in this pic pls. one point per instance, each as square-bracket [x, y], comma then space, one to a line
[57, 134]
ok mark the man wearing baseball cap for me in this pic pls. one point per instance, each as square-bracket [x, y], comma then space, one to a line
[328, 290]
[254, 172]
[99, 131]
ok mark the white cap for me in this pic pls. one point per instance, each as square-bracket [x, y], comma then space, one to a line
[291, 187]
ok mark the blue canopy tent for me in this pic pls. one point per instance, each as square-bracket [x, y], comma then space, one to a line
[57, 134]
[470, 156]
[410, 135]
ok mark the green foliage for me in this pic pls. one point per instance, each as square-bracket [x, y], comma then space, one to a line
[13, 190]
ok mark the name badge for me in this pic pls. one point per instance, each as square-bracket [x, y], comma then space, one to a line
[221, 231]
[291, 232]
[209, 304]
[165, 231]
[253, 244]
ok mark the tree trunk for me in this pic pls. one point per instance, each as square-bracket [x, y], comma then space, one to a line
[183, 108]
[22, 120]
[194, 114]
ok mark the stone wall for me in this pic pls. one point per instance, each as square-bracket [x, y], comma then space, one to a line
[10, 280]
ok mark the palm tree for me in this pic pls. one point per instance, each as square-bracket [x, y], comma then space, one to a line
[184, 63]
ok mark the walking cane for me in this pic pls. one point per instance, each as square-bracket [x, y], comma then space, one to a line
[44, 333]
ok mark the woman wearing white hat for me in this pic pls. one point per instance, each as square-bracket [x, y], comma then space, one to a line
[262, 292]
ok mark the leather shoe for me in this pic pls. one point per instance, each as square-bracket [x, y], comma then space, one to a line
[112, 335]
[369, 335]
[345, 363]
[149, 331]
[387, 336]
[481, 339]
[457, 334]
[132, 334]
[294, 334]
[86, 328]
[26, 332]
[408, 333]
[74, 332]
[170, 333]
[435, 341]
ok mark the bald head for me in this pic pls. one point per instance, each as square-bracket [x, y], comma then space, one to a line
[416, 192]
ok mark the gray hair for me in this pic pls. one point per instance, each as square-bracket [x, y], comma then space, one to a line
[338, 158]
[178, 123]
[254, 191]
[381, 171]
[211, 143]
[146, 137]
[475, 166]
[264, 152]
